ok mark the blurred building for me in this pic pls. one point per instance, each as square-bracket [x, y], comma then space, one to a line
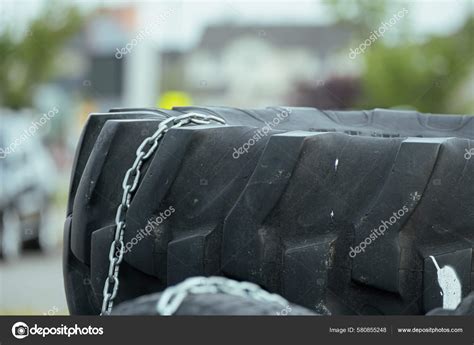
[106, 61]
[253, 65]
[238, 65]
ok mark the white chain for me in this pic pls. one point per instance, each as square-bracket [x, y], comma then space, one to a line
[129, 186]
[172, 297]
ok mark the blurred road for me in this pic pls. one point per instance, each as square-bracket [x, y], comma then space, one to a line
[33, 285]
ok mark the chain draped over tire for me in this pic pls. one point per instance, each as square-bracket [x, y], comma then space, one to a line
[129, 186]
[173, 296]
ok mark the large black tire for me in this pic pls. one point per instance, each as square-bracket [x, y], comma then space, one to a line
[286, 213]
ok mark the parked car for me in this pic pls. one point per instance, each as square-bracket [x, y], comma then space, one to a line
[27, 175]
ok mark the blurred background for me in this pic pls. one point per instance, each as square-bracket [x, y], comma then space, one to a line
[61, 60]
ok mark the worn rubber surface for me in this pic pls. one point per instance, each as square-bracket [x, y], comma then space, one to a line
[287, 213]
[221, 304]
[210, 304]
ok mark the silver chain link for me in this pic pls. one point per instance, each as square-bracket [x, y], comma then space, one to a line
[129, 186]
[172, 297]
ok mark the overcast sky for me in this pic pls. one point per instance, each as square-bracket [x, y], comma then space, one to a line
[189, 17]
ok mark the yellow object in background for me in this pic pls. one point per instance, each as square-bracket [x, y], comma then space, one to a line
[172, 99]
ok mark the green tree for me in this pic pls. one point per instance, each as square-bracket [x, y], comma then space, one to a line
[425, 76]
[400, 71]
[30, 60]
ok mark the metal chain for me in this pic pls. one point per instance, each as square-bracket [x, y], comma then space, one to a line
[129, 186]
[172, 297]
